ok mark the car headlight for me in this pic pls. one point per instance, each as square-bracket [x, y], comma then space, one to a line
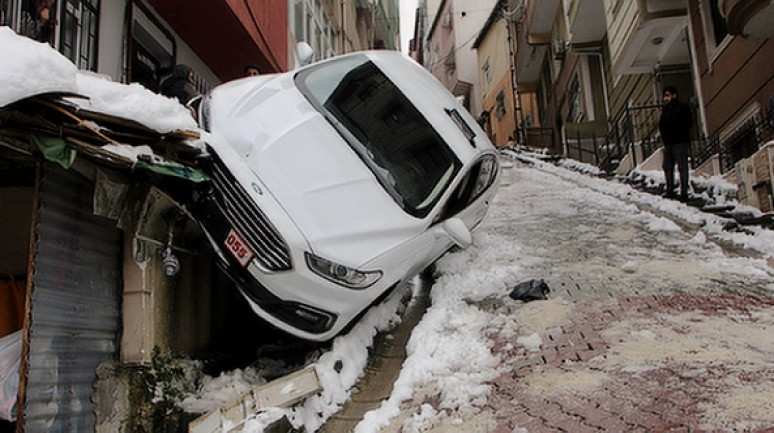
[340, 274]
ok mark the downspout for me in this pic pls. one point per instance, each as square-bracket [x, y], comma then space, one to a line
[126, 74]
[519, 132]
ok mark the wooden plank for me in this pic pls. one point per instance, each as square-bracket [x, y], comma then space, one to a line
[282, 392]
[209, 423]
[288, 390]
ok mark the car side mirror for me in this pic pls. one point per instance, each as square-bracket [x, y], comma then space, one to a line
[458, 231]
[304, 53]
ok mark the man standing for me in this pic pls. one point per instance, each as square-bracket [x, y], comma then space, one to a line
[675, 125]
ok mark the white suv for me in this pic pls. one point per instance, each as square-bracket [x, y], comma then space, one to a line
[336, 182]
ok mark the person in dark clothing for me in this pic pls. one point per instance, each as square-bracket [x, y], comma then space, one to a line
[252, 70]
[180, 84]
[675, 125]
[38, 21]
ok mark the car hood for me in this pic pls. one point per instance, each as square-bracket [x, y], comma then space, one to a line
[276, 139]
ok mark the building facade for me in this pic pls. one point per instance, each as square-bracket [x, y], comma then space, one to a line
[142, 40]
[448, 52]
[89, 286]
[499, 102]
[597, 70]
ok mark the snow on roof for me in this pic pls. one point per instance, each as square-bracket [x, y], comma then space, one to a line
[32, 68]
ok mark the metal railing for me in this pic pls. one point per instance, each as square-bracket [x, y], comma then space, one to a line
[634, 126]
[743, 141]
[637, 126]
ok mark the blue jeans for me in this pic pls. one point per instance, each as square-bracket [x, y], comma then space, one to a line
[676, 154]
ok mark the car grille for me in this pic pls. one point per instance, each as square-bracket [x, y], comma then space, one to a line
[246, 217]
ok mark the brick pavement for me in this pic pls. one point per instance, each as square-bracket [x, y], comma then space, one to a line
[670, 395]
[618, 283]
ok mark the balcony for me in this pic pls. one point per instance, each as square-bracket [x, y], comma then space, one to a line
[529, 59]
[749, 18]
[652, 34]
[587, 23]
[539, 18]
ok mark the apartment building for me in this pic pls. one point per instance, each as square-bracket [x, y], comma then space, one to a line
[448, 46]
[597, 69]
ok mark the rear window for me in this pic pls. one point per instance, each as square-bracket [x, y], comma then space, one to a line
[386, 130]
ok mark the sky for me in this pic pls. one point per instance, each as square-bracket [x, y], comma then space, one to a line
[407, 15]
[449, 348]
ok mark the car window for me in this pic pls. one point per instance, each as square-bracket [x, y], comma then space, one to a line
[472, 185]
[386, 130]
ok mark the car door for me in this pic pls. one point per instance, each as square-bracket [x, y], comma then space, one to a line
[464, 203]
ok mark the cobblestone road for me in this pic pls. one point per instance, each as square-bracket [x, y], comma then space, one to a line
[649, 326]
[639, 332]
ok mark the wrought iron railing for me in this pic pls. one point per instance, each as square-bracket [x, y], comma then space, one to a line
[743, 141]
[634, 126]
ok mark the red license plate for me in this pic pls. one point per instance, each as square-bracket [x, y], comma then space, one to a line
[238, 248]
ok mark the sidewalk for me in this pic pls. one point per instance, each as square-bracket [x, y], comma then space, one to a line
[638, 334]
[649, 326]
[640, 364]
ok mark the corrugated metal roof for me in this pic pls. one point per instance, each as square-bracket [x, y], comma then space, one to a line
[75, 304]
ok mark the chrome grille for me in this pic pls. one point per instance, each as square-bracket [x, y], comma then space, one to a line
[246, 217]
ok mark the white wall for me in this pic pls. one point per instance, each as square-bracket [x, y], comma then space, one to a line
[466, 29]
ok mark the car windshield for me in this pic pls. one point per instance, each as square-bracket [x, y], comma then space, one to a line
[388, 132]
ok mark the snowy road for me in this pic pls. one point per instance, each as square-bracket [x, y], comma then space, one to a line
[587, 243]
[594, 242]
[477, 355]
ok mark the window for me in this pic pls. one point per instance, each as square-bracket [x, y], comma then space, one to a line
[715, 28]
[385, 129]
[500, 104]
[79, 32]
[575, 113]
[9, 11]
[25, 18]
[474, 183]
[309, 22]
[487, 74]
[719, 26]
[77, 23]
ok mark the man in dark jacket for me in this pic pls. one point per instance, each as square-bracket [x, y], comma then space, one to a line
[675, 125]
[180, 84]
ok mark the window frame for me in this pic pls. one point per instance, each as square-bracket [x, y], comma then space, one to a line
[79, 32]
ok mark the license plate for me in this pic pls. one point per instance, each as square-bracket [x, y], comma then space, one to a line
[238, 248]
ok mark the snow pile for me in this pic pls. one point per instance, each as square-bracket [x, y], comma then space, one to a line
[453, 381]
[132, 101]
[33, 68]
